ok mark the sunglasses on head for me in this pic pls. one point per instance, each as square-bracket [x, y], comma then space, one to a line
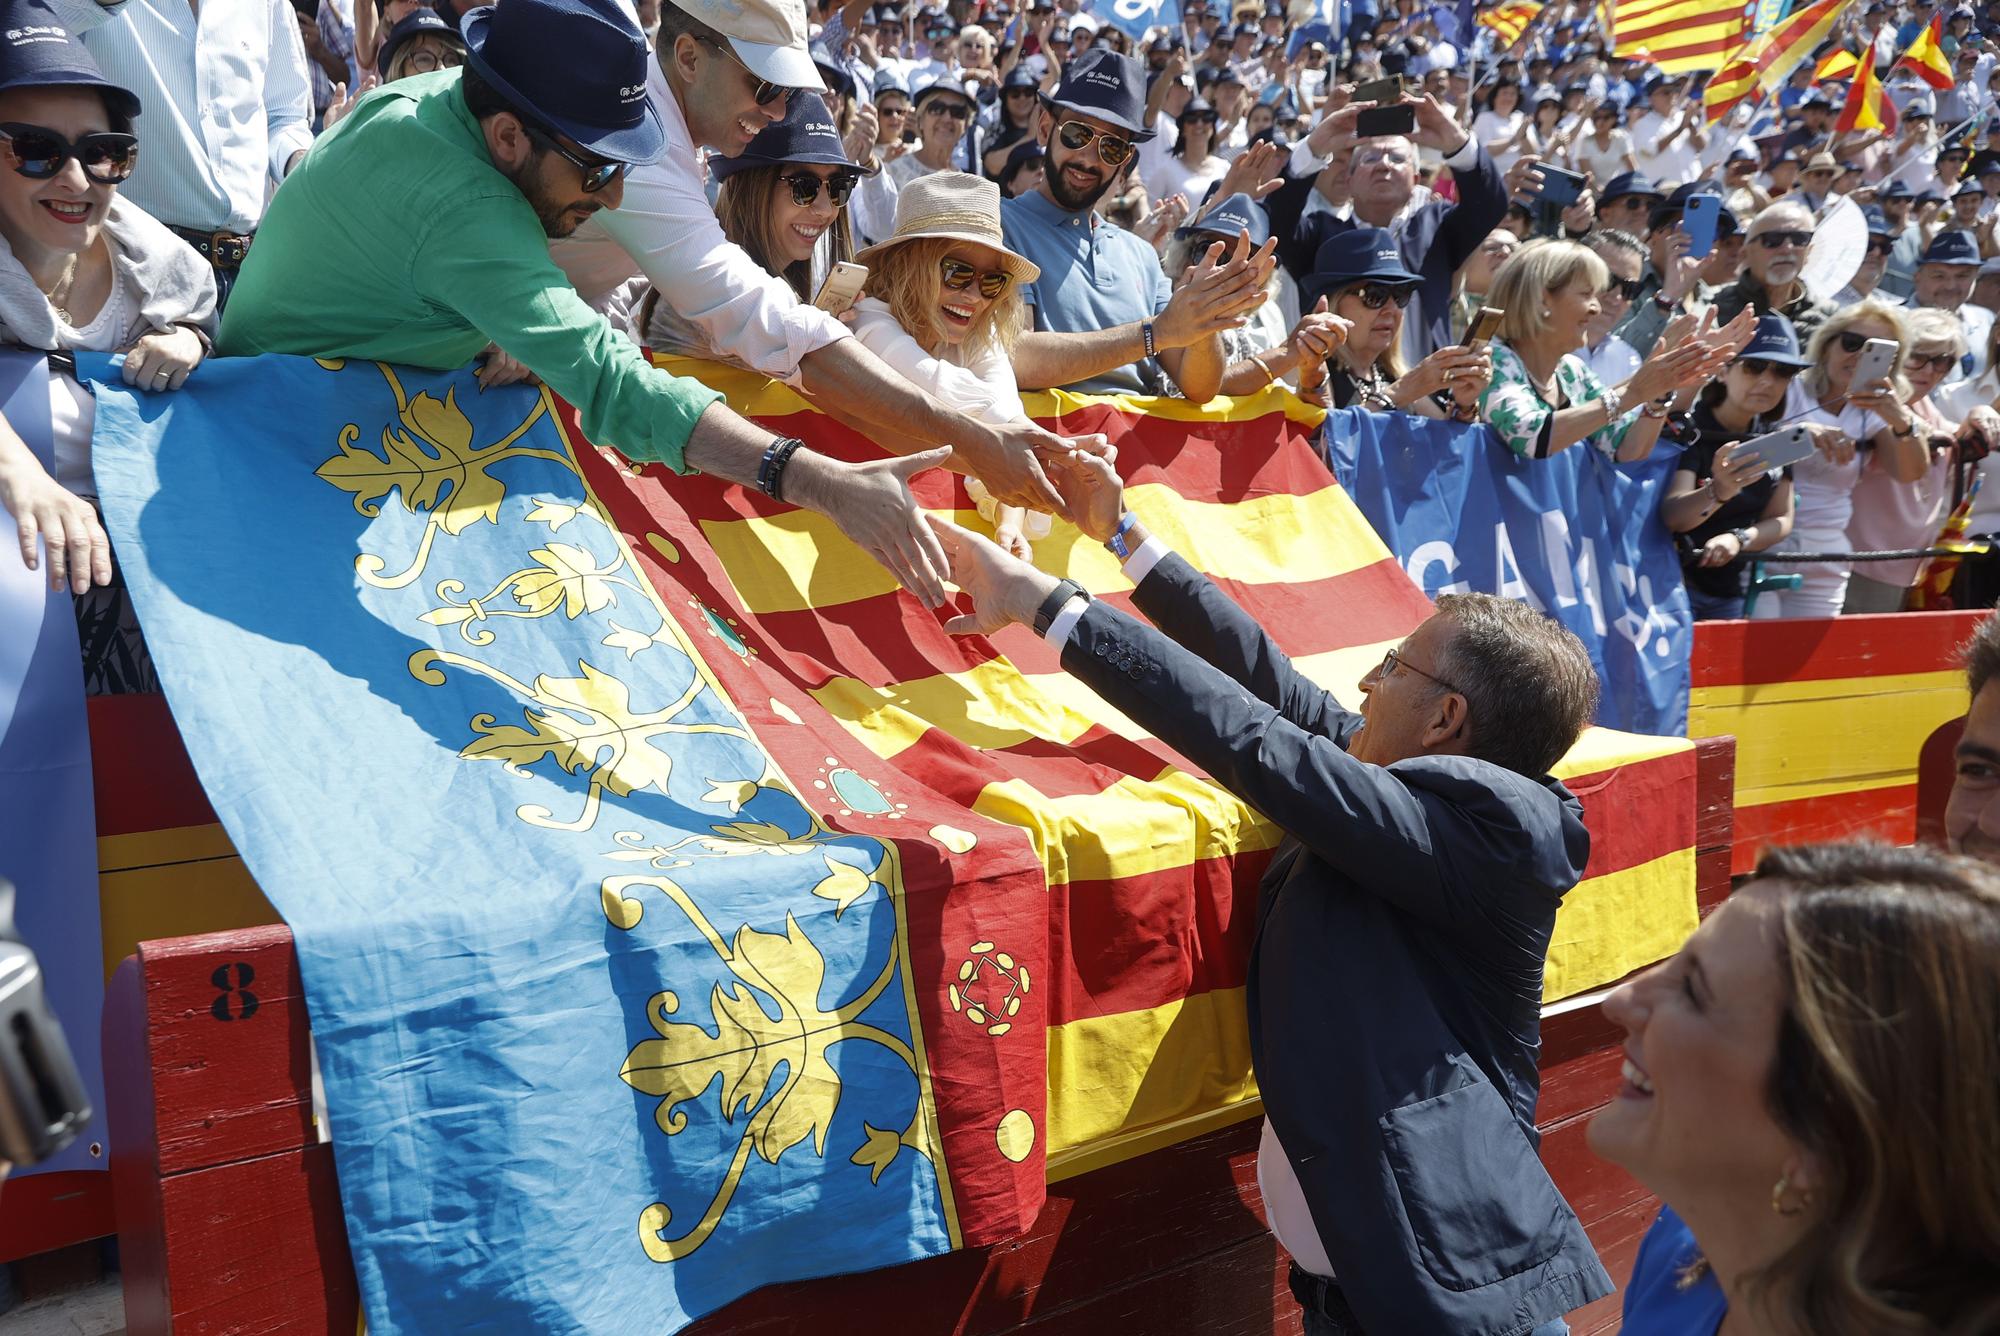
[39, 153]
[805, 187]
[597, 173]
[957, 276]
[1076, 136]
[1757, 366]
[1375, 296]
[1629, 288]
[1773, 240]
[766, 92]
[1932, 361]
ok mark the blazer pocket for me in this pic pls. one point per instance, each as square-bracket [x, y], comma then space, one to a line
[1480, 1205]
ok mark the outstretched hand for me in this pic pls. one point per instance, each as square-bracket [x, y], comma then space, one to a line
[1004, 589]
[1093, 495]
[873, 505]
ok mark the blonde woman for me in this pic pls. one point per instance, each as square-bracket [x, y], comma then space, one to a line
[943, 301]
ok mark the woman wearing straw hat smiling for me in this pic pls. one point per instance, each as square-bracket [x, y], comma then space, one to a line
[944, 300]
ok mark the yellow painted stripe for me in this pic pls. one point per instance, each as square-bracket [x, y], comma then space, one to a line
[1133, 828]
[1111, 1076]
[175, 900]
[176, 844]
[1797, 740]
[1611, 925]
[797, 560]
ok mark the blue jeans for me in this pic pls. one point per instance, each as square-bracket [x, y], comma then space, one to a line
[1327, 1312]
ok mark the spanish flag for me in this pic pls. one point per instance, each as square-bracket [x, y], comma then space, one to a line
[1926, 56]
[1867, 108]
[1765, 62]
[1510, 21]
[1679, 35]
[1840, 64]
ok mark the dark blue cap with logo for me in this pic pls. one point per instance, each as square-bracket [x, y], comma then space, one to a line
[1898, 189]
[1951, 247]
[1968, 188]
[1878, 222]
[1362, 255]
[1105, 86]
[1631, 183]
[1775, 340]
[577, 67]
[1238, 213]
[37, 51]
[1019, 77]
[418, 23]
[806, 134]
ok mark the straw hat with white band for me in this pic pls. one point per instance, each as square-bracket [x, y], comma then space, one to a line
[956, 207]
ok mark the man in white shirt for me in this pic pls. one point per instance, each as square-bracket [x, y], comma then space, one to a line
[1605, 353]
[715, 59]
[228, 102]
[1667, 141]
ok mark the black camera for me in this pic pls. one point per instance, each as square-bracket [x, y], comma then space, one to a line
[43, 1104]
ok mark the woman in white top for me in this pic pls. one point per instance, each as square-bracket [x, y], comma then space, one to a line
[1498, 127]
[1848, 420]
[82, 270]
[1605, 151]
[943, 303]
[1193, 166]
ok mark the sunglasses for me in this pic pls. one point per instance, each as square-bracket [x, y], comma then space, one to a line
[1076, 136]
[766, 92]
[805, 187]
[1853, 343]
[951, 111]
[1629, 288]
[1932, 361]
[957, 276]
[40, 153]
[1757, 366]
[597, 174]
[1375, 296]
[1880, 245]
[1773, 240]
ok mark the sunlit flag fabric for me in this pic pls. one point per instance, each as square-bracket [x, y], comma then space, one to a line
[1837, 65]
[1769, 59]
[1510, 21]
[1867, 107]
[1927, 58]
[1679, 36]
[681, 909]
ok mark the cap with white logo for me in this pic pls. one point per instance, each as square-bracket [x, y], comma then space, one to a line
[768, 36]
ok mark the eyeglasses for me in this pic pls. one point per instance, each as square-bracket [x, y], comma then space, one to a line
[1773, 240]
[39, 153]
[1076, 136]
[1629, 288]
[1375, 296]
[423, 62]
[1932, 361]
[957, 276]
[1757, 366]
[765, 92]
[597, 173]
[884, 113]
[951, 111]
[1880, 245]
[1393, 659]
[805, 187]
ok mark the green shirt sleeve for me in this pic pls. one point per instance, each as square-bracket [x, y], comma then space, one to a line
[489, 261]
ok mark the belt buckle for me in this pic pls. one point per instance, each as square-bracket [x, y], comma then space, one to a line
[229, 248]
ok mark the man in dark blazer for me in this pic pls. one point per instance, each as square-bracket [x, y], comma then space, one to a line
[1436, 234]
[1395, 978]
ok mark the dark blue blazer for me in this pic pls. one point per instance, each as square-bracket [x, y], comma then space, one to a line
[1396, 975]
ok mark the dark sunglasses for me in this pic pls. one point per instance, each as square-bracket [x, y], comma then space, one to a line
[1932, 361]
[597, 173]
[951, 111]
[1375, 296]
[805, 187]
[1757, 366]
[1630, 288]
[957, 276]
[1076, 136]
[766, 92]
[1880, 245]
[1773, 240]
[39, 153]
[1851, 342]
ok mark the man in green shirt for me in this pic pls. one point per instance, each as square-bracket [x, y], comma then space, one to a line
[417, 232]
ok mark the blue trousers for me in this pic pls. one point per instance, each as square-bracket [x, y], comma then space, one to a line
[1327, 1312]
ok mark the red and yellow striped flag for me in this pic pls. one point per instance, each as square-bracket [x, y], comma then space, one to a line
[1867, 107]
[1839, 65]
[1933, 589]
[1767, 61]
[1510, 21]
[1679, 35]
[1926, 56]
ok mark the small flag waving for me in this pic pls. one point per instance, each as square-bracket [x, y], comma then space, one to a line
[1765, 62]
[1933, 590]
[1840, 64]
[1926, 56]
[1867, 107]
[1510, 21]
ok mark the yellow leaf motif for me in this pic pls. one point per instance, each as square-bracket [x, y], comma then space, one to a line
[625, 638]
[734, 792]
[761, 837]
[555, 514]
[567, 575]
[878, 1152]
[844, 884]
[434, 448]
[591, 726]
[749, 1044]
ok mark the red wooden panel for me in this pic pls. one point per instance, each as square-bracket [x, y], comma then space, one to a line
[1937, 767]
[43, 1212]
[1617, 1240]
[1818, 649]
[140, 767]
[1887, 814]
[135, 1161]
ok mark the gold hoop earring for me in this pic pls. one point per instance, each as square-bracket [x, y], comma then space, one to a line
[1778, 1191]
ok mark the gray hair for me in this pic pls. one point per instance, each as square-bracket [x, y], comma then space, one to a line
[1527, 680]
[1981, 654]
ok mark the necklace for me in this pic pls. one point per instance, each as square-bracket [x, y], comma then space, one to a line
[58, 295]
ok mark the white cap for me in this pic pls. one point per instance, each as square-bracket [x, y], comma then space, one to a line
[768, 36]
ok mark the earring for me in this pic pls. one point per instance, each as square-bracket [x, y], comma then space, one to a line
[1547, 313]
[1778, 1191]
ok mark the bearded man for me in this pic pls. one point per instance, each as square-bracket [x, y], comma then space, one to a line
[1774, 252]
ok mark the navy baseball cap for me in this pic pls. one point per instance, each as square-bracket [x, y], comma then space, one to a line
[1775, 340]
[1361, 255]
[806, 134]
[1898, 189]
[418, 23]
[1968, 188]
[1878, 222]
[1631, 183]
[37, 51]
[535, 54]
[888, 80]
[1106, 86]
[1238, 213]
[1951, 247]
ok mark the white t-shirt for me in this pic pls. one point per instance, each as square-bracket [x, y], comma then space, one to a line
[1667, 169]
[1601, 163]
[1490, 126]
[1823, 491]
[1172, 176]
[72, 410]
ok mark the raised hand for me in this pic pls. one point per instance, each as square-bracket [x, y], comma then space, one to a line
[1218, 295]
[1004, 589]
[873, 505]
[1257, 171]
[1093, 494]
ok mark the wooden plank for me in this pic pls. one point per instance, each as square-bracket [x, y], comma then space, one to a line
[1887, 814]
[140, 768]
[1798, 650]
[135, 1160]
[43, 1212]
[1937, 767]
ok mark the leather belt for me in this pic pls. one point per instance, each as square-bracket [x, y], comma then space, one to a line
[224, 250]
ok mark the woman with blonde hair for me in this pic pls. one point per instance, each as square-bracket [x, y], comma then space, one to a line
[1544, 398]
[943, 304]
[1812, 1087]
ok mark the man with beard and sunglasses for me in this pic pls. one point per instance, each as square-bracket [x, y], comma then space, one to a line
[1105, 317]
[1774, 255]
[417, 231]
[722, 71]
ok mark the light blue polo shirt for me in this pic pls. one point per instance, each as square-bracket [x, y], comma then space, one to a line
[1093, 277]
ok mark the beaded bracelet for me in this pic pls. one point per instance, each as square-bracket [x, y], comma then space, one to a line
[770, 471]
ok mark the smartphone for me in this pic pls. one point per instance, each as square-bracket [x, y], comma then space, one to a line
[43, 1104]
[1698, 221]
[1778, 449]
[1375, 122]
[1877, 356]
[1383, 92]
[842, 287]
[1560, 188]
[1484, 326]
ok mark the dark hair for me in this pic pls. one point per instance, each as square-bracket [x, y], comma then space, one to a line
[482, 99]
[1527, 680]
[1981, 654]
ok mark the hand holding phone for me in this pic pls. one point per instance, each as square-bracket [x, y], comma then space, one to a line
[1698, 221]
[842, 287]
[1484, 326]
[1377, 122]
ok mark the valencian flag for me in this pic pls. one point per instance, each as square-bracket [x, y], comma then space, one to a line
[1679, 36]
[1926, 56]
[1509, 21]
[1867, 106]
[1767, 61]
[680, 909]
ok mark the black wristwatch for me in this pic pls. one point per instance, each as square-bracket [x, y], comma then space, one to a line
[1057, 600]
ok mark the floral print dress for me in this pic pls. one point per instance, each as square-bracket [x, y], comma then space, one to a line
[1514, 408]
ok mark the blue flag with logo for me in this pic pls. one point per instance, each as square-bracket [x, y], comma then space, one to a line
[1574, 535]
[1135, 17]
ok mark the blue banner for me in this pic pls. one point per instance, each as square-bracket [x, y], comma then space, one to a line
[1574, 535]
[1137, 17]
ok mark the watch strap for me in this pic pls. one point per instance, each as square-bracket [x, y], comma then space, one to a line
[1057, 600]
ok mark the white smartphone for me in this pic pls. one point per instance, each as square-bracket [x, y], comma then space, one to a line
[1778, 449]
[843, 288]
[1877, 356]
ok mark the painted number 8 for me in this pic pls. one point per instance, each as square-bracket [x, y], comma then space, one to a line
[244, 1004]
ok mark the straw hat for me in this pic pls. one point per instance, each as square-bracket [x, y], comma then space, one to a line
[957, 207]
